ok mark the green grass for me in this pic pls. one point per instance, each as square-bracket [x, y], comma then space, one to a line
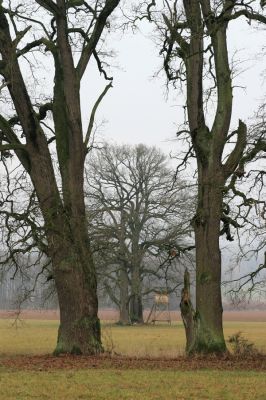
[39, 337]
[133, 384]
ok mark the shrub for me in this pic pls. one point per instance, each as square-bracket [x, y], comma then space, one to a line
[241, 346]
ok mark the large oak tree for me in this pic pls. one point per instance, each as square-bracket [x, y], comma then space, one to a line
[68, 32]
[195, 50]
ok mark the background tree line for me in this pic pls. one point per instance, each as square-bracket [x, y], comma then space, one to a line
[137, 245]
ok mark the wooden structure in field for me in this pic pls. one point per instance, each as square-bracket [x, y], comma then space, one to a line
[160, 311]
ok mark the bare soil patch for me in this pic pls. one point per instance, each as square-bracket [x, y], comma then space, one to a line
[69, 362]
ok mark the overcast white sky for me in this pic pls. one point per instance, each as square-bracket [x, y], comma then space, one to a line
[136, 108]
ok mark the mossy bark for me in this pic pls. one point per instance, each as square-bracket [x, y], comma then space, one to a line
[75, 280]
[209, 334]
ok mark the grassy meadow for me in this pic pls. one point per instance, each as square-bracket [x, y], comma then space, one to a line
[133, 385]
[37, 337]
[29, 337]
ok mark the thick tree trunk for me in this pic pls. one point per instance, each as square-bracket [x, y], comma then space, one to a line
[74, 273]
[209, 311]
[124, 318]
[69, 250]
[136, 309]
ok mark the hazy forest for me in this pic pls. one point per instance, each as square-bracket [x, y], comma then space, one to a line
[132, 199]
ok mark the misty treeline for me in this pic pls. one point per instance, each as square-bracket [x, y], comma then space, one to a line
[23, 291]
[138, 246]
[132, 220]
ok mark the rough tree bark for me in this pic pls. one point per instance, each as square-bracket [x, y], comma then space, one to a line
[124, 318]
[203, 26]
[208, 146]
[64, 215]
[136, 308]
[209, 334]
[188, 313]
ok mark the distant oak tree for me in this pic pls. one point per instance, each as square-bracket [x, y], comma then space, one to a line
[139, 223]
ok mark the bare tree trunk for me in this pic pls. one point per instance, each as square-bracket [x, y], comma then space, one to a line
[69, 249]
[75, 280]
[73, 268]
[188, 313]
[79, 330]
[124, 318]
[136, 309]
[209, 333]
[187, 38]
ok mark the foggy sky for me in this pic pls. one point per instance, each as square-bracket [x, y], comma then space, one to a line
[137, 108]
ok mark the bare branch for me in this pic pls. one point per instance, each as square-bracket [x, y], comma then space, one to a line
[108, 8]
[235, 156]
[49, 5]
[92, 117]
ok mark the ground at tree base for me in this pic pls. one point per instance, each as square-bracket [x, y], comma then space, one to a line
[70, 362]
[152, 367]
